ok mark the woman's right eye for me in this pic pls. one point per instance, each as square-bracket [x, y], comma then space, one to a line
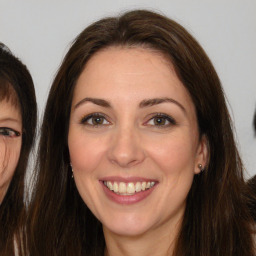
[8, 132]
[95, 120]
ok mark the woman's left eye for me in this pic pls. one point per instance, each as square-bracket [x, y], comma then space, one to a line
[95, 120]
[161, 120]
[8, 132]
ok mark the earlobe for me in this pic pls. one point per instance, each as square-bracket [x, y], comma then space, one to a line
[202, 155]
[200, 167]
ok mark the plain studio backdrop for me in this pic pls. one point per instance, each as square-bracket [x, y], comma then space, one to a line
[40, 33]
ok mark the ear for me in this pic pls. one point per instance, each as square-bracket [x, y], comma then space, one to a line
[202, 157]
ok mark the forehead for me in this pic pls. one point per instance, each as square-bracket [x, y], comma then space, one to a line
[130, 73]
[8, 94]
[9, 111]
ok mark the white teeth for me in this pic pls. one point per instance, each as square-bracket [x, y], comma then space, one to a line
[128, 188]
[152, 183]
[109, 185]
[138, 187]
[115, 187]
[122, 188]
[143, 185]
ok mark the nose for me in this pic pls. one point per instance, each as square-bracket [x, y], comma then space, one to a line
[126, 149]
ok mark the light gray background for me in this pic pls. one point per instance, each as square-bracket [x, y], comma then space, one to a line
[40, 32]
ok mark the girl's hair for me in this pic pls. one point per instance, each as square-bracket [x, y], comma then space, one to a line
[252, 183]
[16, 87]
[216, 220]
[252, 196]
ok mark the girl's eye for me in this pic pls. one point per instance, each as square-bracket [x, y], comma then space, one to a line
[8, 132]
[95, 120]
[161, 120]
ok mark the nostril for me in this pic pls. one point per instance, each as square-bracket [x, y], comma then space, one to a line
[128, 159]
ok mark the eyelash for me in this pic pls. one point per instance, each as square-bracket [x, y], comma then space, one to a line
[85, 120]
[8, 132]
[165, 118]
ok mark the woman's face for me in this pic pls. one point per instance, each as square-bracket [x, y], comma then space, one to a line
[10, 143]
[133, 141]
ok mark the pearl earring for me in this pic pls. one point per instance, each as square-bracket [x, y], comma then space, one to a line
[200, 167]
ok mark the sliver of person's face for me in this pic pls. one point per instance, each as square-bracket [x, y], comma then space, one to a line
[10, 143]
[133, 140]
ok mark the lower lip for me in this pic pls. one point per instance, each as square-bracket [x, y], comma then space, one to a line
[127, 199]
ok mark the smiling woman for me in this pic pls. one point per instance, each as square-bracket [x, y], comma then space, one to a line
[128, 141]
[17, 129]
[141, 159]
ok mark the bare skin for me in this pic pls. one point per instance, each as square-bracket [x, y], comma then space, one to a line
[10, 144]
[133, 121]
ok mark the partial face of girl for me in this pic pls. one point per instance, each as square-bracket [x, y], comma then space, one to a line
[10, 143]
[133, 140]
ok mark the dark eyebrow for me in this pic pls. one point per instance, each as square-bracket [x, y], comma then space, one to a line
[100, 102]
[144, 103]
[156, 101]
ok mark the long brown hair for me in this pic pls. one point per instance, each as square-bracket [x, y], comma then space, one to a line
[252, 183]
[216, 220]
[16, 86]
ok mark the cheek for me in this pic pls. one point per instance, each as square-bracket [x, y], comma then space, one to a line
[85, 152]
[175, 160]
[175, 157]
[172, 151]
[9, 157]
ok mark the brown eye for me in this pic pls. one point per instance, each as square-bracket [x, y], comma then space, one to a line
[95, 120]
[161, 120]
[8, 132]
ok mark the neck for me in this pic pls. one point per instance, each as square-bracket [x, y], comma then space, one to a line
[154, 243]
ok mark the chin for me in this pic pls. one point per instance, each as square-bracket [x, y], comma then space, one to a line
[127, 227]
[126, 231]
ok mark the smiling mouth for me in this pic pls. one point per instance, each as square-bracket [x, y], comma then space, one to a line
[130, 188]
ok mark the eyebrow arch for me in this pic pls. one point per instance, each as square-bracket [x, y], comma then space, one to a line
[156, 101]
[99, 102]
[144, 103]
